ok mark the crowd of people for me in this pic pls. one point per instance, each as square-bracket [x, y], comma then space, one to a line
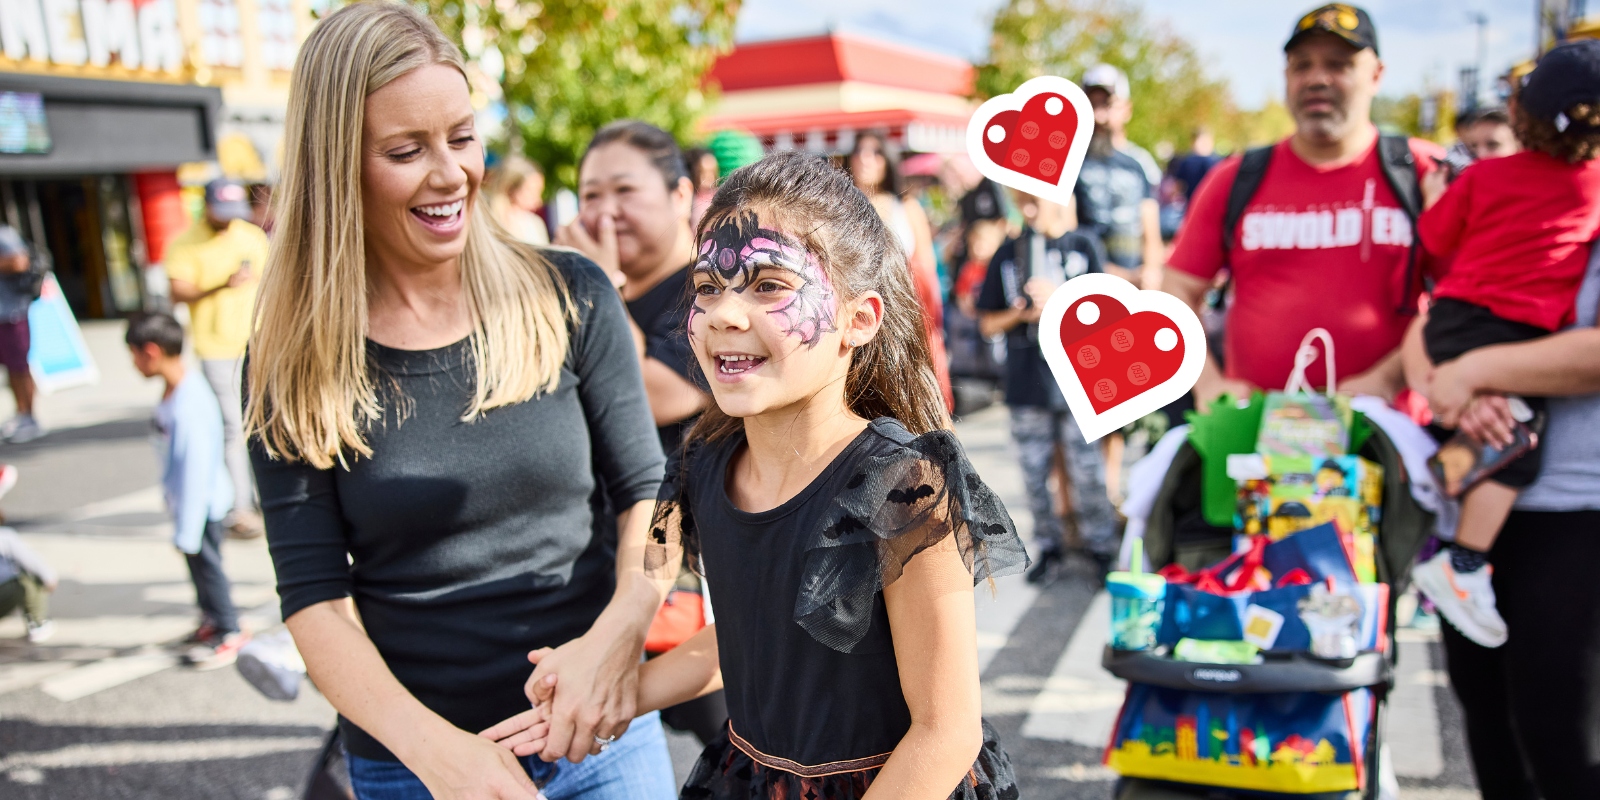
[499, 455]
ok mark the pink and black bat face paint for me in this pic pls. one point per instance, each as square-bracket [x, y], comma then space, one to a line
[738, 253]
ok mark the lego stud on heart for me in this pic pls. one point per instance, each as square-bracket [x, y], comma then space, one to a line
[1119, 353]
[1034, 138]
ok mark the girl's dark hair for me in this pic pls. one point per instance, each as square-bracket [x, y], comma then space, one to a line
[656, 144]
[808, 198]
[1579, 142]
[891, 160]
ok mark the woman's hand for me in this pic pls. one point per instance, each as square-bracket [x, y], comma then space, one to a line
[599, 678]
[1451, 386]
[525, 733]
[1488, 419]
[460, 766]
[601, 248]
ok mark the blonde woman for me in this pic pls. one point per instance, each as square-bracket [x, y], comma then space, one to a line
[441, 421]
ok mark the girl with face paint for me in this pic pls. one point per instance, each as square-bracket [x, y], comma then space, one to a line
[834, 516]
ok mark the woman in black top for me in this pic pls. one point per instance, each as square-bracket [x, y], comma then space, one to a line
[438, 415]
[837, 520]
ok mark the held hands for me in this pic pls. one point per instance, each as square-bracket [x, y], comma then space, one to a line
[525, 734]
[528, 733]
[599, 678]
[460, 766]
[600, 248]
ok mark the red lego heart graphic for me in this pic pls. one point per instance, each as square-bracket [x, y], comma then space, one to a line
[1033, 139]
[1119, 353]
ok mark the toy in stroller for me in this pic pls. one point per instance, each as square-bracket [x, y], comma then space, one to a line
[1268, 671]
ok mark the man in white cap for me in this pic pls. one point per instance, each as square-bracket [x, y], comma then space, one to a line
[1119, 107]
[1116, 190]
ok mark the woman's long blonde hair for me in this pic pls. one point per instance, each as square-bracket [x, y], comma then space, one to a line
[311, 394]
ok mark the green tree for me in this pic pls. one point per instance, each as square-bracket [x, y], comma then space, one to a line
[1270, 123]
[1404, 114]
[1172, 92]
[571, 66]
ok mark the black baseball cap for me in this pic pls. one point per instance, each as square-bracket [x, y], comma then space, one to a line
[227, 200]
[982, 203]
[1340, 19]
[1566, 76]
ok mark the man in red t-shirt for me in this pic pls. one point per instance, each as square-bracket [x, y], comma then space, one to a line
[1324, 242]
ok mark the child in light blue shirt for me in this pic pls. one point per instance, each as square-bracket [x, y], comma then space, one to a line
[194, 480]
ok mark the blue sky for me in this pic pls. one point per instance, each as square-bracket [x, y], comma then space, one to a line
[1240, 40]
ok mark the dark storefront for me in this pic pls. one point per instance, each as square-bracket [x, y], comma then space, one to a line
[96, 193]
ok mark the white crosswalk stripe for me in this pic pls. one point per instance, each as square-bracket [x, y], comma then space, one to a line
[999, 612]
[104, 674]
[1413, 725]
[1079, 701]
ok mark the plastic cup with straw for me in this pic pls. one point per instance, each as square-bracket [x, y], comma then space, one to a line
[1136, 604]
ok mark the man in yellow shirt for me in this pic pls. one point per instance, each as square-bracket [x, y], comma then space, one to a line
[215, 267]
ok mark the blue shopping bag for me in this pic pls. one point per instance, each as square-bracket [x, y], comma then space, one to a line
[1192, 611]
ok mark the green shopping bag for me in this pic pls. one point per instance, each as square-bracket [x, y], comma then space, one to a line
[1231, 427]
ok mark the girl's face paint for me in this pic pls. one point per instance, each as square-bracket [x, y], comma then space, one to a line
[737, 254]
[762, 306]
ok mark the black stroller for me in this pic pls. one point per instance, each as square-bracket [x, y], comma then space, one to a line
[1177, 533]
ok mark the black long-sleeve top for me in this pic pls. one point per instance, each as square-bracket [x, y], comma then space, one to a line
[467, 544]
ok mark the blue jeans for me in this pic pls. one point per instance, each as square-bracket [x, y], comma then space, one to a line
[636, 767]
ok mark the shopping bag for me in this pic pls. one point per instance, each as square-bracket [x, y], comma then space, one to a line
[1294, 742]
[1229, 427]
[1236, 428]
[1216, 603]
[1190, 613]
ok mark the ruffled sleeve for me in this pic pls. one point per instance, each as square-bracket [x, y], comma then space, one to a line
[673, 540]
[892, 507]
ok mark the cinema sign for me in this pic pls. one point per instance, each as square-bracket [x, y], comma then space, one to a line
[140, 35]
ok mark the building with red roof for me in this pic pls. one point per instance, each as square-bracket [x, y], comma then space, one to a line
[819, 92]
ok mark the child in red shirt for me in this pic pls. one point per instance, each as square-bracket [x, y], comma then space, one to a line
[1512, 235]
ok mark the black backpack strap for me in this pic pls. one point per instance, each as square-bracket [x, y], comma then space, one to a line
[1400, 170]
[1252, 169]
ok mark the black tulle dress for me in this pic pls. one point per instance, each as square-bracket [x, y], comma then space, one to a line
[814, 699]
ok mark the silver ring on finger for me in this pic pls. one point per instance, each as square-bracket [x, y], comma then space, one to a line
[605, 742]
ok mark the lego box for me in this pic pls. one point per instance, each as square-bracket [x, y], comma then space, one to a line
[1299, 492]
